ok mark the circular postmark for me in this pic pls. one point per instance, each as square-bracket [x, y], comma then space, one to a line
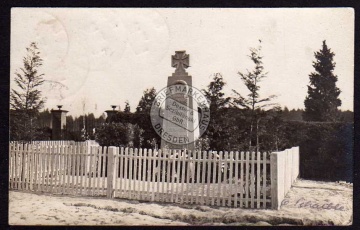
[180, 114]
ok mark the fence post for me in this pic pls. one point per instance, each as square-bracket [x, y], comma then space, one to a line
[289, 169]
[110, 171]
[274, 180]
[297, 162]
[294, 165]
[278, 161]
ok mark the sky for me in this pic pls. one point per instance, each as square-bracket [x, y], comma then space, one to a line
[95, 58]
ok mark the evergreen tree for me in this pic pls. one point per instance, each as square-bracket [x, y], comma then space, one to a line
[214, 93]
[26, 101]
[127, 107]
[143, 119]
[286, 110]
[252, 102]
[322, 100]
[216, 132]
[286, 113]
[146, 101]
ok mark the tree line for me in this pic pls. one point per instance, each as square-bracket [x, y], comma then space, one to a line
[244, 121]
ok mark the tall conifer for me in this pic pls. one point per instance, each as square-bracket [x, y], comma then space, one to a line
[322, 101]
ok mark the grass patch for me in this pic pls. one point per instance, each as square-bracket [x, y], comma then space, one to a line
[128, 210]
[109, 208]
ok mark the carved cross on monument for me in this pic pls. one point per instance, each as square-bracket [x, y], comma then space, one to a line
[180, 61]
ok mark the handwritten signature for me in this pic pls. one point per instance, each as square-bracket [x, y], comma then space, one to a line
[303, 203]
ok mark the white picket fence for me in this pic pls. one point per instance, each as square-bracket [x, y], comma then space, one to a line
[65, 142]
[223, 179]
[233, 179]
[60, 142]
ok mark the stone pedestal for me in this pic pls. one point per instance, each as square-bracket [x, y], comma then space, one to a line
[110, 114]
[58, 123]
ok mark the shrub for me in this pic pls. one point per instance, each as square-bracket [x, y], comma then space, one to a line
[112, 134]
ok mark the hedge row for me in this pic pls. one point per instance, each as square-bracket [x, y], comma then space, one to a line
[326, 149]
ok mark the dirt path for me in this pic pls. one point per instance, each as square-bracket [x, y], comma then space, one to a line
[308, 203]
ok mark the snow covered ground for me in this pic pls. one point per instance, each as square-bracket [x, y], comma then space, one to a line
[307, 203]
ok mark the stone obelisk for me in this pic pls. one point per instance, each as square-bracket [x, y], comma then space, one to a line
[182, 135]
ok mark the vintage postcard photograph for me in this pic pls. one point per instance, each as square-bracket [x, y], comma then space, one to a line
[181, 116]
